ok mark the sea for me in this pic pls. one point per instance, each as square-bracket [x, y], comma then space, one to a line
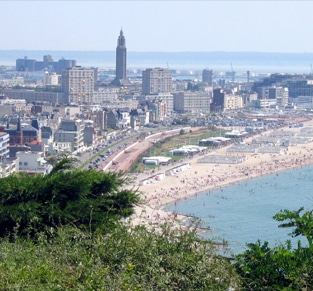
[255, 62]
[243, 213]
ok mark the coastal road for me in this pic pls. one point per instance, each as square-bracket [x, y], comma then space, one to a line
[122, 160]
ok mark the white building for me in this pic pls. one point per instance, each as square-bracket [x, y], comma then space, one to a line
[4, 146]
[50, 79]
[71, 131]
[232, 102]
[159, 160]
[33, 162]
[7, 164]
[59, 147]
[17, 104]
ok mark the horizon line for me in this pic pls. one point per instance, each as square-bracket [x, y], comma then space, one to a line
[170, 52]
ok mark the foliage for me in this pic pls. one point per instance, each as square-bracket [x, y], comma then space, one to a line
[87, 199]
[195, 87]
[280, 267]
[303, 225]
[125, 259]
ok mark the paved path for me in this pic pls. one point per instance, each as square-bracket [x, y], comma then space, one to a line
[122, 160]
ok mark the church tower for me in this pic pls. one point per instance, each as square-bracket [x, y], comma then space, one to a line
[120, 71]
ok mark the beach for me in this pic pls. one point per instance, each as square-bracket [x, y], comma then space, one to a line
[203, 177]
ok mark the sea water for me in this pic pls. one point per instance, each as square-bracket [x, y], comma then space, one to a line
[243, 213]
[241, 61]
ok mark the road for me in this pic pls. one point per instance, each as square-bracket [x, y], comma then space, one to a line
[123, 159]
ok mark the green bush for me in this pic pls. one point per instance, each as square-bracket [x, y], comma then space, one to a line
[87, 199]
[124, 259]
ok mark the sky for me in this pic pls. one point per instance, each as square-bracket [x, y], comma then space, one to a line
[163, 26]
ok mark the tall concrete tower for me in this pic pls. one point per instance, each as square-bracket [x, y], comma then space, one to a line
[120, 71]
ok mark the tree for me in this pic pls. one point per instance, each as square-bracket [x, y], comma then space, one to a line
[281, 267]
[303, 225]
[87, 199]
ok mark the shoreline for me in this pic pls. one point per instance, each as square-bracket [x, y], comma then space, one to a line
[236, 182]
[202, 178]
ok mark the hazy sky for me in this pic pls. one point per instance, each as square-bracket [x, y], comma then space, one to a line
[260, 26]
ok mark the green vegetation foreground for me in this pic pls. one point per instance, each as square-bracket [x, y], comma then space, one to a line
[65, 231]
[124, 259]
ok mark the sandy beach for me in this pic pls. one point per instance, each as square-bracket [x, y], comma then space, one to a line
[203, 177]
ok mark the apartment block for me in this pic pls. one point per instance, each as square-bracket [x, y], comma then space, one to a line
[78, 85]
[192, 102]
[157, 80]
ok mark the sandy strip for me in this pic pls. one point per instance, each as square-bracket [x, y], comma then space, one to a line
[205, 177]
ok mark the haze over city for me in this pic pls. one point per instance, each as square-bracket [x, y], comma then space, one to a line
[169, 26]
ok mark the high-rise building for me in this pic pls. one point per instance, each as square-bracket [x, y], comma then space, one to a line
[194, 102]
[157, 80]
[120, 69]
[78, 85]
[207, 76]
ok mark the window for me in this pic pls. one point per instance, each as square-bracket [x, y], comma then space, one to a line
[25, 163]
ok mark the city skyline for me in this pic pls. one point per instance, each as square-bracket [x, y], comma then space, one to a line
[234, 26]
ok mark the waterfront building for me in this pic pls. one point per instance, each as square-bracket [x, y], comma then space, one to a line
[78, 85]
[25, 65]
[32, 163]
[156, 80]
[32, 65]
[71, 131]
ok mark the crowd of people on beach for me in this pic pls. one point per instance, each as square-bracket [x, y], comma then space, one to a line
[214, 176]
[204, 177]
